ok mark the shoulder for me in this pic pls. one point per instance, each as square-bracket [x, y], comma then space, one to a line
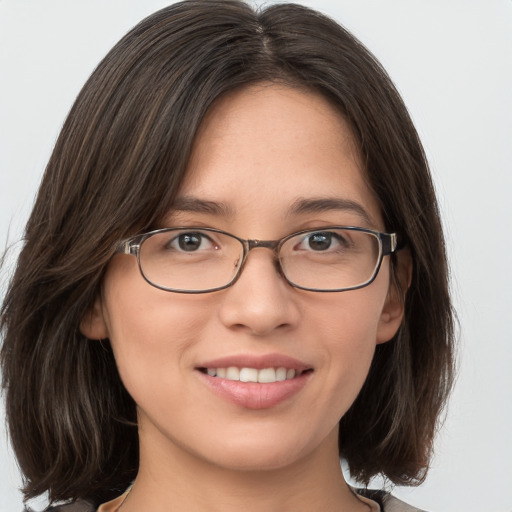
[387, 502]
[392, 504]
[77, 506]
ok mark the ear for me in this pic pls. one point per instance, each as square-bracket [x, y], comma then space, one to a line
[393, 310]
[93, 324]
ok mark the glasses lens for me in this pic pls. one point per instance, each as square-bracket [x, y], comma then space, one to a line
[190, 260]
[333, 259]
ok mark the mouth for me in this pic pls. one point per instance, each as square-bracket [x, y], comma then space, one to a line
[247, 374]
[255, 382]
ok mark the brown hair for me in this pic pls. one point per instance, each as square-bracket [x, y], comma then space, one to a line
[115, 169]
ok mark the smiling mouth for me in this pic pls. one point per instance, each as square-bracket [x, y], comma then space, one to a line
[264, 375]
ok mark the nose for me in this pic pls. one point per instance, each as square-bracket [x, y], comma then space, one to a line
[261, 300]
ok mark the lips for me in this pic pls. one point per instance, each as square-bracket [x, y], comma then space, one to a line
[255, 382]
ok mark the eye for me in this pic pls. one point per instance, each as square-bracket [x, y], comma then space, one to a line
[191, 242]
[322, 241]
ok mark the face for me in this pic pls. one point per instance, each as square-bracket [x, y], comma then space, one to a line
[259, 152]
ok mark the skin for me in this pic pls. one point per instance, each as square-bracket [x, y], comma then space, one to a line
[258, 151]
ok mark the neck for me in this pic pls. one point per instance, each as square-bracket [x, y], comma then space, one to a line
[174, 476]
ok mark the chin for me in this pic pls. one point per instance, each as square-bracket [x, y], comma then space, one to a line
[266, 450]
[257, 460]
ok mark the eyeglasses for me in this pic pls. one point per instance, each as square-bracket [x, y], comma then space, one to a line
[200, 260]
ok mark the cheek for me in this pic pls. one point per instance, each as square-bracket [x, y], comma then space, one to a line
[349, 319]
[350, 340]
[150, 330]
[346, 328]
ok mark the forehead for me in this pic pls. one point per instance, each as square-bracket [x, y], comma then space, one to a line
[268, 147]
[280, 116]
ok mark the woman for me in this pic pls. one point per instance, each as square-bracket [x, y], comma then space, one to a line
[234, 273]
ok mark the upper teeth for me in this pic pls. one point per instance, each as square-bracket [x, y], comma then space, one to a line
[265, 375]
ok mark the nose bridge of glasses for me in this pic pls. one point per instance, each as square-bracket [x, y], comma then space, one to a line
[249, 245]
[267, 244]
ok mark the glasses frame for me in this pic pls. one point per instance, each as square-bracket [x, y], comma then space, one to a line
[388, 244]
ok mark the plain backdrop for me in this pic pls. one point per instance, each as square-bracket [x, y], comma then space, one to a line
[451, 60]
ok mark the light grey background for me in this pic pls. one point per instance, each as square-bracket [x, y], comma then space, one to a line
[451, 60]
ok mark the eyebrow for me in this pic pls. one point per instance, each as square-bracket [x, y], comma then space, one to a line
[193, 204]
[326, 204]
